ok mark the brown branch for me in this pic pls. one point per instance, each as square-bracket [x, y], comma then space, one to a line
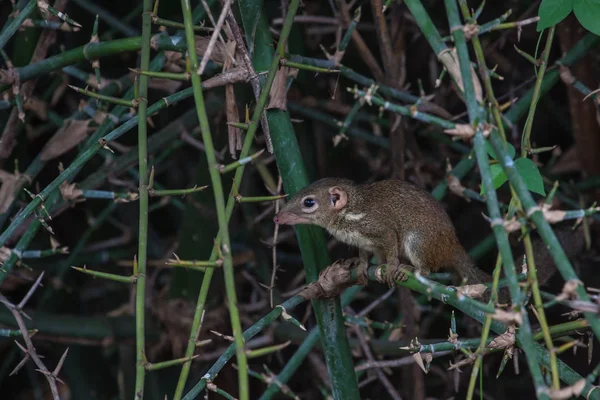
[369, 355]
[383, 37]
[30, 351]
[363, 48]
[47, 39]
[254, 81]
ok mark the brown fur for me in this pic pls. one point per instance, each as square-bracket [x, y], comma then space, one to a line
[401, 224]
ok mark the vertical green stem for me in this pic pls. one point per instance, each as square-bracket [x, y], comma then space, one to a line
[215, 177]
[526, 140]
[485, 332]
[476, 113]
[535, 214]
[483, 72]
[140, 294]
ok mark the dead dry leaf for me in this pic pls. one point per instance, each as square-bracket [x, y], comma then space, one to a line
[569, 290]
[71, 192]
[278, 93]
[473, 291]
[57, 95]
[99, 117]
[507, 339]
[567, 392]
[73, 132]
[508, 317]
[5, 253]
[54, 243]
[7, 190]
[464, 131]
[174, 62]
[219, 52]
[456, 187]
[37, 106]
[232, 113]
[450, 60]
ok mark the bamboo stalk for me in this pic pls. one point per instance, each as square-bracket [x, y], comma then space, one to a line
[215, 177]
[140, 288]
[476, 115]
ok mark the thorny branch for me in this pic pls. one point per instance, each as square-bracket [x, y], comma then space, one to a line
[30, 351]
[254, 77]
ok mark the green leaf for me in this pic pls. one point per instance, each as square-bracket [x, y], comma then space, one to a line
[498, 177]
[588, 14]
[490, 150]
[531, 175]
[551, 12]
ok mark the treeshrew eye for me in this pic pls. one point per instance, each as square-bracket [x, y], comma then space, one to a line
[309, 202]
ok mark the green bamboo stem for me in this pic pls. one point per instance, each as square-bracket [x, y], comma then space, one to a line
[303, 350]
[475, 114]
[173, 24]
[313, 249]
[91, 143]
[15, 332]
[526, 138]
[354, 76]
[108, 99]
[304, 67]
[252, 331]
[106, 275]
[50, 294]
[38, 164]
[265, 351]
[351, 28]
[176, 192]
[487, 82]
[79, 327]
[589, 41]
[248, 141]
[44, 253]
[545, 230]
[528, 245]
[485, 332]
[86, 156]
[26, 239]
[184, 76]
[429, 288]
[334, 123]
[13, 26]
[94, 180]
[223, 169]
[420, 285]
[140, 292]
[90, 51]
[258, 199]
[217, 186]
[96, 63]
[496, 23]
[403, 110]
[527, 56]
[167, 364]
[192, 264]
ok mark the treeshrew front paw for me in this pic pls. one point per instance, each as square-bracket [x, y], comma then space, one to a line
[395, 273]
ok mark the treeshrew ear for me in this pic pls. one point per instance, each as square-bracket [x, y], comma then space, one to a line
[338, 198]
